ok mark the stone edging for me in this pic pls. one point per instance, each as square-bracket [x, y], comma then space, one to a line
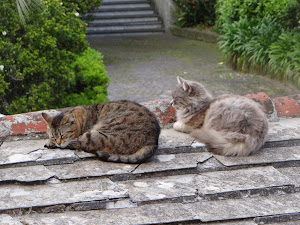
[192, 33]
[32, 124]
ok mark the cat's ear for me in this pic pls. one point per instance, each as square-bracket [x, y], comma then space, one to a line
[71, 119]
[78, 116]
[186, 87]
[47, 117]
[180, 80]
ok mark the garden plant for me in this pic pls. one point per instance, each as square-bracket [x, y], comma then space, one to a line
[261, 36]
[46, 62]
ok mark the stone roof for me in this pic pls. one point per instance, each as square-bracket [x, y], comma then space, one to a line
[181, 183]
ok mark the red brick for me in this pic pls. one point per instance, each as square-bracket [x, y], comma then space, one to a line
[264, 100]
[162, 110]
[288, 106]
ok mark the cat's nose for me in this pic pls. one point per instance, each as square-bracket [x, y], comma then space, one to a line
[58, 142]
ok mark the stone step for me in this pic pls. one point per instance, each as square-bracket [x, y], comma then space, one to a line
[75, 195]
[125, 29]
[125, 21]
[231, 211]
[123, 14]
[125, 35]
[243, 183]
[123, 7]
[14, 197]
[114, 2]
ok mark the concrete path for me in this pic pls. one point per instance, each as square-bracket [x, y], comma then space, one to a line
[182, 183]
[145, 69]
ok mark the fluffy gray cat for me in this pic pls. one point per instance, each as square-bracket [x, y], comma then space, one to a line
[229, 125]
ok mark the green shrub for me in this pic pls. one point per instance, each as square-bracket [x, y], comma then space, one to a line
[193, 12]
[89, 81]
[245, 43]
[285, 12]
[82, 7]
[38, 58]
[285, 57]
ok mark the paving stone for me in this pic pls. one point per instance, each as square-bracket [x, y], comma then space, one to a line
[147, 214]
[247, 208]
[292, 173]
[20, 151]
[286, 223]
[266, 155]
[163, 188]
[170, 138]
[172, 162]
[240, 222]
[242, 179]
[26, 174]
[206, 211]
[8, 220]
[90, 168]
[284, 129]
[212, 164]
[30, 151]
[19, 196]
[287, 219]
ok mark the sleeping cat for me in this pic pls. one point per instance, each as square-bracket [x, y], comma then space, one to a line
[121, 131]
[229, 125]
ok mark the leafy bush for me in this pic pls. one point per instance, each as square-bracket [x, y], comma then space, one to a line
[285, 57]
[194, 12]
[245, 43]
[285, 12]
[89, 81]
[261, 36]
[36, 60]
[82, 7]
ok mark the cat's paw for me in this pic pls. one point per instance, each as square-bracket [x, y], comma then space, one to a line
[50, 144]
[181, 127]
[73, 144]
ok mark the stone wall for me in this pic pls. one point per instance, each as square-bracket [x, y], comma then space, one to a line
[165, 9]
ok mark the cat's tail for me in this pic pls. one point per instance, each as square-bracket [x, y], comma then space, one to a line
[227, 143]
[139, 156]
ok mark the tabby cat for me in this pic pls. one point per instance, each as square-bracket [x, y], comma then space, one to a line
[120, 131]
[229, 125]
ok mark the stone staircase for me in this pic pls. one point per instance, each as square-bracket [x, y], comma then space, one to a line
[124, 18]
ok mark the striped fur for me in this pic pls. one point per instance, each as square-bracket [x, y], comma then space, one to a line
[121, 131]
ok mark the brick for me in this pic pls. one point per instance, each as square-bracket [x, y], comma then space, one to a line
[162, 110]
[288, 106]
[264, 100]
[23, 124]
